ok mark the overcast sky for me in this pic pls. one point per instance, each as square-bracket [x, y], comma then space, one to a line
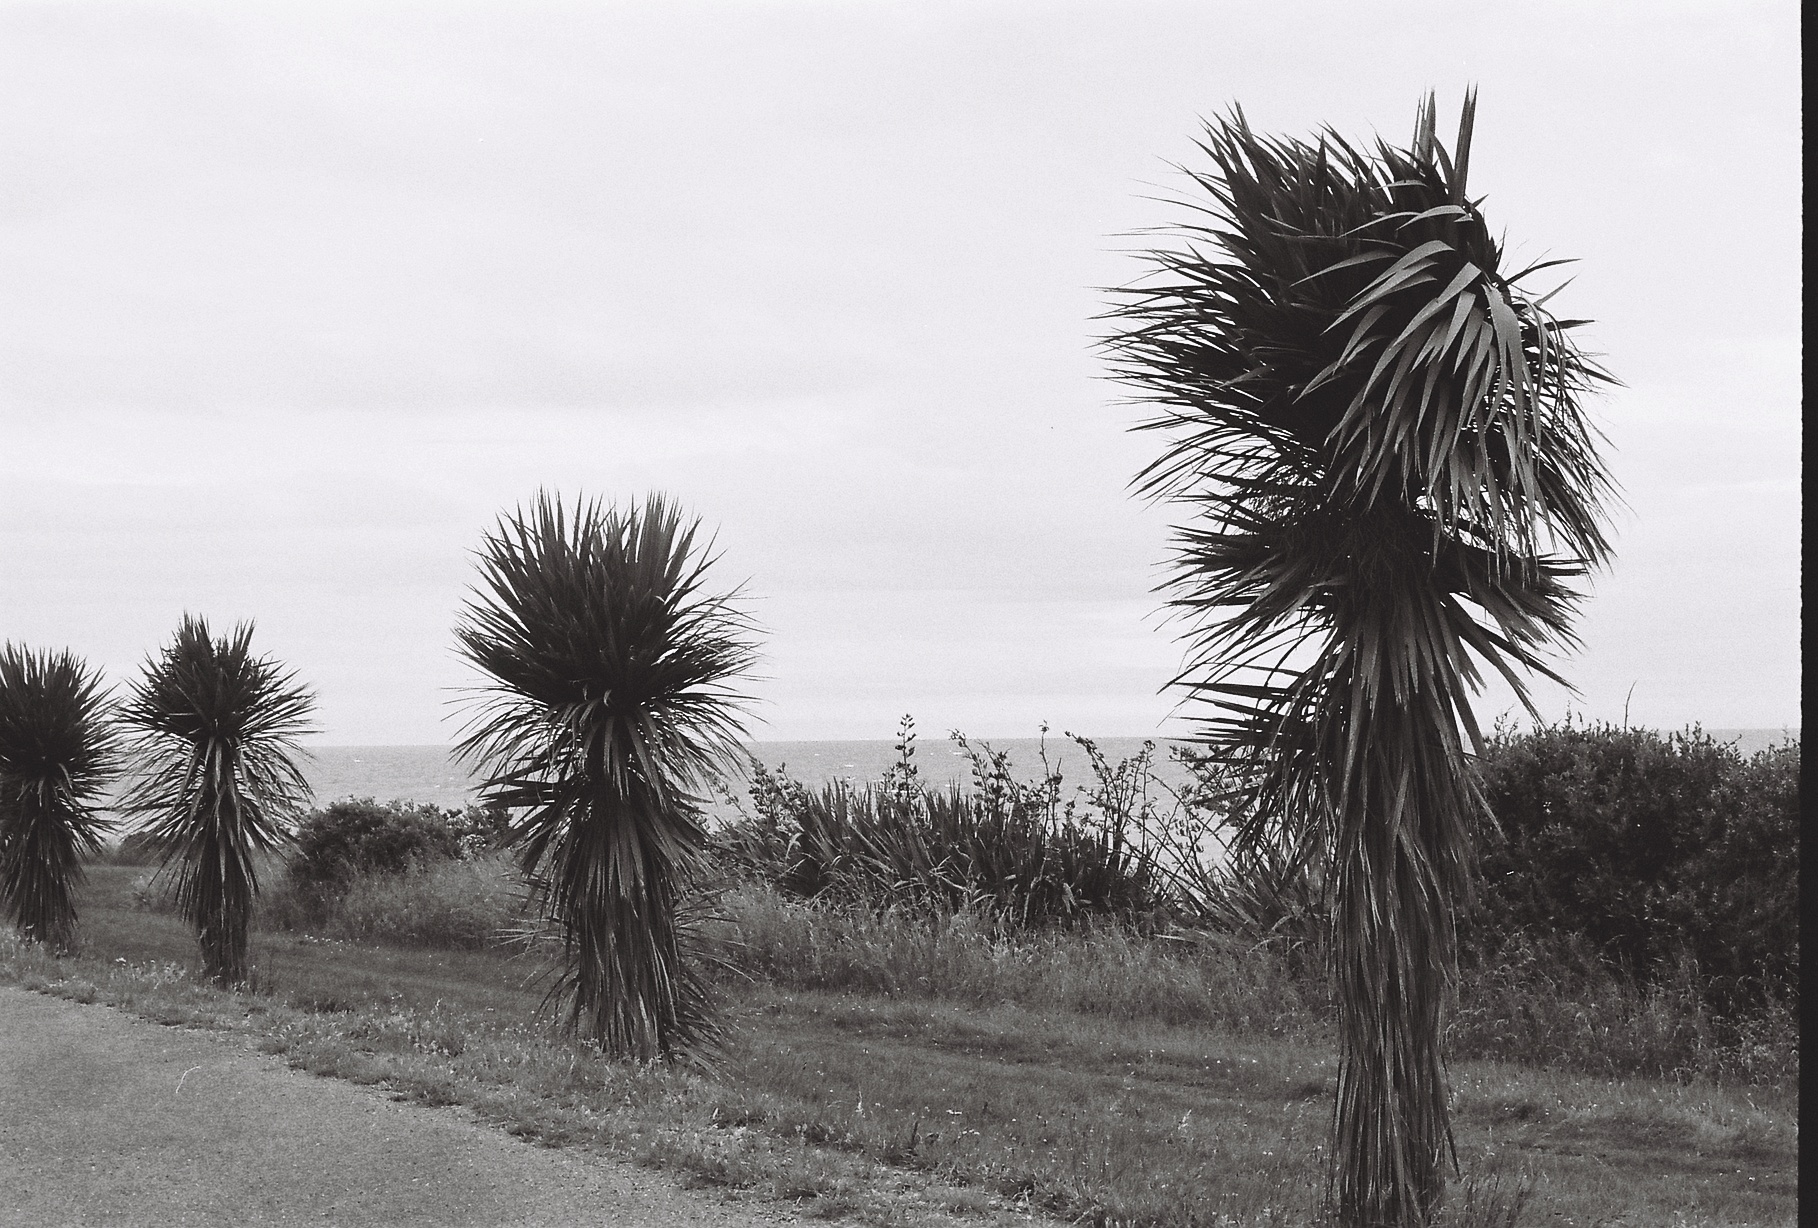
[295, 299]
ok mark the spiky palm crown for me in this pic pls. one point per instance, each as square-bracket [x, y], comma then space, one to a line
[610, 705]
[1379, 434]
[215, 749]
[1352, 387]
[58, 750]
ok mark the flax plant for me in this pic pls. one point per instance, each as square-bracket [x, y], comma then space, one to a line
[57, 752]
[608, 711]
[215, 749]
[1377, 435]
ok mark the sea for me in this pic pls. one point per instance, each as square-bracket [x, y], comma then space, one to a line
[430, 773]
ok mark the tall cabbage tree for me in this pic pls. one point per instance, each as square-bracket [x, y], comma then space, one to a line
[1376, 432]
[609, 705]
[57, 753]
[215, 749]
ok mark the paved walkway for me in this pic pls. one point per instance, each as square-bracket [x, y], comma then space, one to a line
[109, 1119]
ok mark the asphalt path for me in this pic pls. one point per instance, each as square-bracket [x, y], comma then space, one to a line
[110, 1119]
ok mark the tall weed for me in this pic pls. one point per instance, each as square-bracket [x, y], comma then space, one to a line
[1014, 849]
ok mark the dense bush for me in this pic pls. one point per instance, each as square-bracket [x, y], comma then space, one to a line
[359, 836]
[1667, 860]
[1651, 850]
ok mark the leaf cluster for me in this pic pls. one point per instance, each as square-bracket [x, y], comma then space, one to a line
[607, 663]
[215, 732]
[1378, 431]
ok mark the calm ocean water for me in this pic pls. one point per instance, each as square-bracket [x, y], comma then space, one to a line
[427, 773]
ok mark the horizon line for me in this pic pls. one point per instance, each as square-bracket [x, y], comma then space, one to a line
[1063, 737]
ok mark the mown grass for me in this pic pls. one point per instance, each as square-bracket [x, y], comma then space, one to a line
[897, 1072]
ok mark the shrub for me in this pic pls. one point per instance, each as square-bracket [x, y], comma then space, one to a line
[358, 836]
[403, 873]
[1636, 916]
[1651, 851]
[480, 829]
[1254, 890]
[756, 844]
[1562, 1007]
[1671, 860]
[448, 904]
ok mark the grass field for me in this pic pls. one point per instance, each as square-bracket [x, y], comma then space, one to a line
[888, 1106]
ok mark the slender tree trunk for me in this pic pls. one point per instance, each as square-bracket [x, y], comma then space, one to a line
[1392, 1121]
[221, 908]
[626, 998]
[1398, 877]
[222, 934]
[623, 937]
[42, 860]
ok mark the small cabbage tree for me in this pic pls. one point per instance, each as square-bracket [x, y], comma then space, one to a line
[607, 711]
[215, 753]
[57, 752]
[1376, 431]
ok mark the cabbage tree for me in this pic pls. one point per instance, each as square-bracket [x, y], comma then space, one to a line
[215, 748]
[607, 709]
[1374, 430]
[57, 752]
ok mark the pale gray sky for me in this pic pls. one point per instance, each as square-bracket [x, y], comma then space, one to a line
[294, 299]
